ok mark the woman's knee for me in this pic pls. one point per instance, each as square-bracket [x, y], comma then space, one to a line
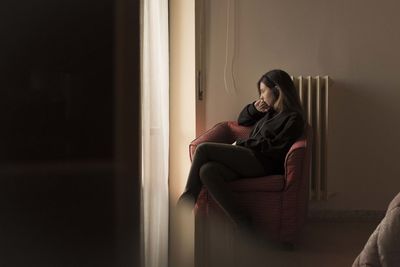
[209, 171]
[202, 147]
[202, 150]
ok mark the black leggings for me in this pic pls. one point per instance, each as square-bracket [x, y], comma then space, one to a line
[213, 165]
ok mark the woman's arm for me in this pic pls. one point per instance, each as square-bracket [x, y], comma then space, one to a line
[249, 115]
[292, 128]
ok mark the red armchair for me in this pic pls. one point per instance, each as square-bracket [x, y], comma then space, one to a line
[278, 203]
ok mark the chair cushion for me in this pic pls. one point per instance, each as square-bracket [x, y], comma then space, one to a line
[271, 183]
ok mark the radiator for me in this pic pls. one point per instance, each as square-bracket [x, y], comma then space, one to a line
[314, 93]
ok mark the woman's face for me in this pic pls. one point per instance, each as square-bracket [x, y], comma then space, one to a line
[266, 94]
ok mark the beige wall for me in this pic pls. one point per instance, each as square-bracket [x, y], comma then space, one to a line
[182, 124]
[356, 42]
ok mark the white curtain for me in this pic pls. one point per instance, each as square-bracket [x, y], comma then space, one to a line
[155, 131]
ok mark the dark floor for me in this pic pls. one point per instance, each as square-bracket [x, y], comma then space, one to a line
[323, 244]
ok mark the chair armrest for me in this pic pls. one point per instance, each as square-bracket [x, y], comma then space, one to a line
[294, 166]
[220, 133]
[224, 132]
[298, 158]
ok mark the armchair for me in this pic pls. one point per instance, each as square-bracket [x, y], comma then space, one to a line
[278, 204]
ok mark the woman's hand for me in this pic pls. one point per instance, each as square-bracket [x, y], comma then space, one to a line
[261, 105]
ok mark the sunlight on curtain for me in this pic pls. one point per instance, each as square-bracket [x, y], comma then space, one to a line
[155, 131]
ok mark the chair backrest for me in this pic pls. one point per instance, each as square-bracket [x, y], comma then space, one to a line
[238, 131]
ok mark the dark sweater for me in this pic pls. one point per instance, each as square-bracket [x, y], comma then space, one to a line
[272, 136]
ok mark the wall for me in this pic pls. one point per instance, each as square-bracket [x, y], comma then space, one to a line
[356, 43]
[182, 125]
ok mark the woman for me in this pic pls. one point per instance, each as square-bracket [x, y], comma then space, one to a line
[279, 121]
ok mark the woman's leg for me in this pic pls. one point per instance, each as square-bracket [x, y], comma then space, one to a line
[228, 163]
[214, 176]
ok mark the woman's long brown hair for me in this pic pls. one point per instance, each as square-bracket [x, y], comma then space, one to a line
[287, 98]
